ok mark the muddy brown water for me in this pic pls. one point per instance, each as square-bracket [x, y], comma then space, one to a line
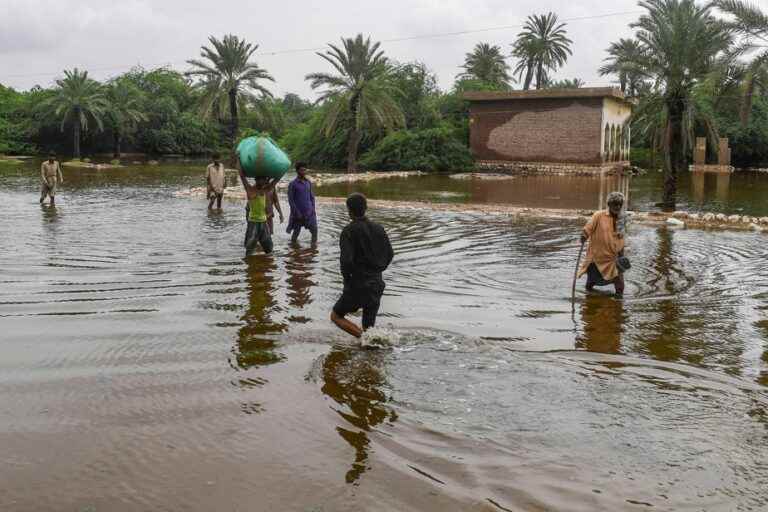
[146, 365]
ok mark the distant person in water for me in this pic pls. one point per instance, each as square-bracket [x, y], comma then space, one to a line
[51, 178]
[215, 179]
[365, 254]
[257, 231]
[302, 203]
[273, 203]
[605, 232]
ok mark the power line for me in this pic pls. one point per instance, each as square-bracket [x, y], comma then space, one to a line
[319, 48]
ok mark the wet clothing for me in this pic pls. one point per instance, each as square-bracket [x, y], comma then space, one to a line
[365, 253]
[595, 278]
[257, 209]
[365, 295]
[257, 233]
[606, 243]
[216, 179]
[302, 203]
[50, 177]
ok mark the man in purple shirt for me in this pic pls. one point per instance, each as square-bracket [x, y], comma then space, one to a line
[302, 203]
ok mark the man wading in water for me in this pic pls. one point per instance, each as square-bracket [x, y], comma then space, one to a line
[302, 203]
[215, 181]
[605, 232]
[256, 212]
[365, 254]
[273, 203]
[50, 174]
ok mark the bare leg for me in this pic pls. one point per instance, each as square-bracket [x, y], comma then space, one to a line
[210, 202]
[53, 201]
[313, 230]
[346, 326]
[218, 201]
[295, 234]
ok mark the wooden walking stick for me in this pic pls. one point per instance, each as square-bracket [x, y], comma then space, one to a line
[575, 273]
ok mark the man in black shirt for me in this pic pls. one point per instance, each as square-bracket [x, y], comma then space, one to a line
[365, 254]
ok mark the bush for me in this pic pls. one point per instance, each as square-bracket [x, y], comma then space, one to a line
[433, 149]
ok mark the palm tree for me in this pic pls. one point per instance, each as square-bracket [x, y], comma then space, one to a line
[78, 100]
[486, 64]
[752, 24]
[568, 83]
[228, 78]
[681, 43]
[362, 92]
[125, 102]
[541, 47]
[622, 62]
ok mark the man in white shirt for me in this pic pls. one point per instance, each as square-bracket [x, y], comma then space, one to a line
[216, 181]
[50, 176]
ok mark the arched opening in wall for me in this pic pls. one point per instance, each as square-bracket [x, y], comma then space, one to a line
[620, 144]
[607, 144]
[614, 142]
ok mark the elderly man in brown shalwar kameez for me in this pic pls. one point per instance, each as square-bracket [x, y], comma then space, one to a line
[215, 178]
[50, 176]
[605, 232]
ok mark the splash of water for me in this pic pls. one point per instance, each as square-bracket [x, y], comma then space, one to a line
[379, 337]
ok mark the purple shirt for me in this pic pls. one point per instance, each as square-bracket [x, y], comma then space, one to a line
[301, 199]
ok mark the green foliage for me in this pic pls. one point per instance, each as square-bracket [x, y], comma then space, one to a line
[15, 127]
[433, 149]
[542, 47]
[229, 80]
[487, 64]
[417, 94]
[361, 96]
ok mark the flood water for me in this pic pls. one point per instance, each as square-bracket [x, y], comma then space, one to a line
[146, 365]
[742, 193]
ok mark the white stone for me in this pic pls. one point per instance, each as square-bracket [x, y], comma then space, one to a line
[680, 214]
[721, 217]
[755, 227]
[764, 220]
[675, 222]
[733, 219]
[694, 216]
[709, 217]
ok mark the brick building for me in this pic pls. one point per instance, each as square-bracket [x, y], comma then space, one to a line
[575, 127]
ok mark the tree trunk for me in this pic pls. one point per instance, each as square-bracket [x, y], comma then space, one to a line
[117, 141]
[234, 123]
[354, 136]
[352, 145]
[76, 143]
[539, 73]
[528, 76]
[674, 154]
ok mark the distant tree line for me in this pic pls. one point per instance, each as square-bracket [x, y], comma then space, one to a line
[692, 71]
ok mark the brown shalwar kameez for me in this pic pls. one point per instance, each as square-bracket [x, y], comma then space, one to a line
[605, 244]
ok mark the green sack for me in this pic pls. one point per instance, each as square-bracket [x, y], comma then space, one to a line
[260, 157]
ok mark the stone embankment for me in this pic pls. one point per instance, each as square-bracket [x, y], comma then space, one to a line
[679, 219]
[318, 179]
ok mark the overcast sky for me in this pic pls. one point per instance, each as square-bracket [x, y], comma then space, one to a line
[40, 38]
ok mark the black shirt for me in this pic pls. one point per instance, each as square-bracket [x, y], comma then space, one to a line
[365, 250]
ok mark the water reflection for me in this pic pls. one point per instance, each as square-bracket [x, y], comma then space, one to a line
[255, 344]
[299, 266]
[603, 320]
[354, 379]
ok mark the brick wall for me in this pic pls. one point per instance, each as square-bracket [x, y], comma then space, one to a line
[537, 130]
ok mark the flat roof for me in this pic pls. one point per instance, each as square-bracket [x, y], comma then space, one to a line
[585, 92]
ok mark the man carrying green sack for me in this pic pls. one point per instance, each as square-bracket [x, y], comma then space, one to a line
[257, 230]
